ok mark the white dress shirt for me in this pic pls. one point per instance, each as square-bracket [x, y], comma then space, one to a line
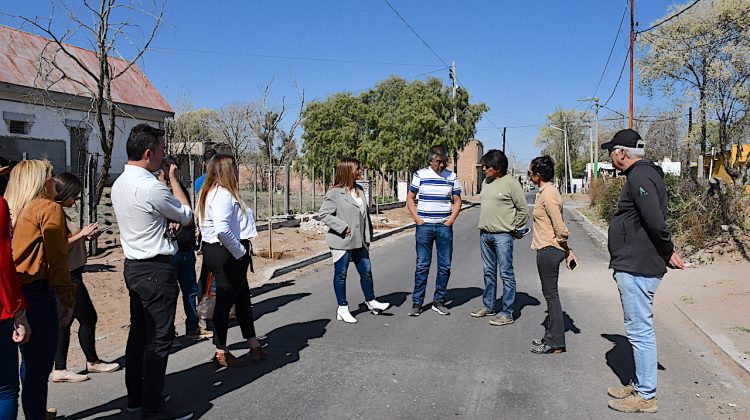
[247, 225]
[143, 206]
[222, 221]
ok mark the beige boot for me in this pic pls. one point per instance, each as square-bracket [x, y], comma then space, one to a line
[621, 392]
[634, 404]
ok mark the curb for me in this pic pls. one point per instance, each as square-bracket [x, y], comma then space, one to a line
[722, 342]
[590, 226]
[279, 271]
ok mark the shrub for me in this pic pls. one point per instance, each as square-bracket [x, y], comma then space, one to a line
[605, 195]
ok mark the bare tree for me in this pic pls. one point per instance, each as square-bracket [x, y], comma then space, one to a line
[232, 125]
[106, 35]
[265, 124]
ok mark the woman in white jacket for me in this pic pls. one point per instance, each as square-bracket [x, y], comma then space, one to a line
[222, 216]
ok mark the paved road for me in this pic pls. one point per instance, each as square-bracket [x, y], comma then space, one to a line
[396, 366]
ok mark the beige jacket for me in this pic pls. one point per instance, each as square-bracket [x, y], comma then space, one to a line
[549, 226]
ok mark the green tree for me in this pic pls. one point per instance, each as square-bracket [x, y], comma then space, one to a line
[389, 127]
[552, 141]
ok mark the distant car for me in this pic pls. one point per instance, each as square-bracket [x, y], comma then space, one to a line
[532, 187]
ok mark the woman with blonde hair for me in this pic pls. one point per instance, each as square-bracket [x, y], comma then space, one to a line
[350, 233]
[40, 252]
[221, 212]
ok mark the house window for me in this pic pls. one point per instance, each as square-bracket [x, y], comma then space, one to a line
[18, 127]
[18, 122]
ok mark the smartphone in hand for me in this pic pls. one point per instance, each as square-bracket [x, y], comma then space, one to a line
[573, 265]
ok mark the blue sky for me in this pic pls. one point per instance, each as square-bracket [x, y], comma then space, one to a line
[522, 58]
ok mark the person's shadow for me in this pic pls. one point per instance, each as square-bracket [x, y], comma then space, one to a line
[460, 296]
[523, 300]
[393, 300]
[195, 388]
[273, 304]
[567, 320]
[620, 358]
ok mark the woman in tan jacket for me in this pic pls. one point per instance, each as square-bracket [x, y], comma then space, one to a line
[40, 252]
[551, 243]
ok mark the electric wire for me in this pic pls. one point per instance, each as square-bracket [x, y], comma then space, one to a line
[669, 18]
[415, 33]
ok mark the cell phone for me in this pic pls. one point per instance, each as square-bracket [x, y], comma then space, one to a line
[524, 231]
[573, 265]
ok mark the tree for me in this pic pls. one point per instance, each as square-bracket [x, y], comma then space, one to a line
[389, 127]
[231, 125]
[111, 26]
[552, 141]
[700, 53]
[190, 131]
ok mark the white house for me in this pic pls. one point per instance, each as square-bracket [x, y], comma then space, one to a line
[61, 126]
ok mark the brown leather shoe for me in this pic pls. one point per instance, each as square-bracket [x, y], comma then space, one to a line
[227, 360]
[257, 354]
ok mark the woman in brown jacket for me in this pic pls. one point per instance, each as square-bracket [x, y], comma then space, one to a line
[40, 252]
[551, 243]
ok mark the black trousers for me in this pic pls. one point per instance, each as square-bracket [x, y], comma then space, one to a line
[230, 276]
[548, 261]
[85, 313]
[153, 291]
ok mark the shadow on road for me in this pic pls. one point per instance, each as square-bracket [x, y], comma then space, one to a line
[195, 388]
[457, 297]
[269, 287]
[273, 304]
[522, 300]
[567, 320]
[395, 299]
[620, 358]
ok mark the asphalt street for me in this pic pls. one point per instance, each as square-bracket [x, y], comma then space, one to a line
[432, 366]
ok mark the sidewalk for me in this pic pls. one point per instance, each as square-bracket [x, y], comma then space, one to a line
[714, 298]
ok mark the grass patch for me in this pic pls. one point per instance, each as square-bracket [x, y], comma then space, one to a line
[687, 299]
[741, 330]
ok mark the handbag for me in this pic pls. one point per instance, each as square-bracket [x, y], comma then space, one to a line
[208, 302]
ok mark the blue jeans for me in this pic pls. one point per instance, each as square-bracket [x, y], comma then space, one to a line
[8, 372]
[637, 296]
[497, 255]
[361, 258]
[427, 234]
[38, 355]
[184, 265]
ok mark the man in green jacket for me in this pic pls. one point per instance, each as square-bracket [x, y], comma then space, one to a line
[502, 216]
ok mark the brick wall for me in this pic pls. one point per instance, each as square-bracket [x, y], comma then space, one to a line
[469, 168]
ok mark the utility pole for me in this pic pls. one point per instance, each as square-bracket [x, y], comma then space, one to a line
[632, 53]
[504, 139]
[595, 140]
[452, 75]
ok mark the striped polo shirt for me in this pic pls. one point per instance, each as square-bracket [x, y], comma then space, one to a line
[435, 193]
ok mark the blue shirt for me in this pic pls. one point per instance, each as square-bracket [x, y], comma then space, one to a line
[199, 183]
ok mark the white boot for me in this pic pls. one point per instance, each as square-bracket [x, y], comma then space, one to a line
[343, 314]
[375, 307]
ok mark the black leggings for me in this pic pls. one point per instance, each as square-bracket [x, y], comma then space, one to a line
[84, 312]
[231, 289]
[548, 261]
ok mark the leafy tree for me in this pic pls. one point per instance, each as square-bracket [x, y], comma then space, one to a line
[389, 127]
[190, 129]
[552, 141]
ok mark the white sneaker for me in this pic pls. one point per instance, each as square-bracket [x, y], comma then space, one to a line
[68, 376]
[375, 307]
[343, 314]
[101, 367]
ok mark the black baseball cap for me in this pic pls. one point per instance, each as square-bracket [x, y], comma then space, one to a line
[626, 138]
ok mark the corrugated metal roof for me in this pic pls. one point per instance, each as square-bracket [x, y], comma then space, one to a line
[19, 64]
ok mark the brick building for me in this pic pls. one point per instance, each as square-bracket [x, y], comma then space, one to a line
[470, 168]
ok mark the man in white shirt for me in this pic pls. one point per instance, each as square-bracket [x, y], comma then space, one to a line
[144, 207]
[439, 201]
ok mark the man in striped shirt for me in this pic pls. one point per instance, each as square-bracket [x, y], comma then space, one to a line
[439, 200]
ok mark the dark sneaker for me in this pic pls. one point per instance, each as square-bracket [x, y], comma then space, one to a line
[634, 404]
[545, 349]
[415, 310]
[483, 312]
[440, 308]
[537, 341]
[621, 392]
[501, 320]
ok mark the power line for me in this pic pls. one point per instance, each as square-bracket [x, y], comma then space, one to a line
[415, 33]
[669, 18]
[614, 44]
[622, 70]
[286, 57]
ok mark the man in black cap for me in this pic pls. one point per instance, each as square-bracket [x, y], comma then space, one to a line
[640, 249]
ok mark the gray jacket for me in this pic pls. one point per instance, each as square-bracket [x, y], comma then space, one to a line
[339, 211]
